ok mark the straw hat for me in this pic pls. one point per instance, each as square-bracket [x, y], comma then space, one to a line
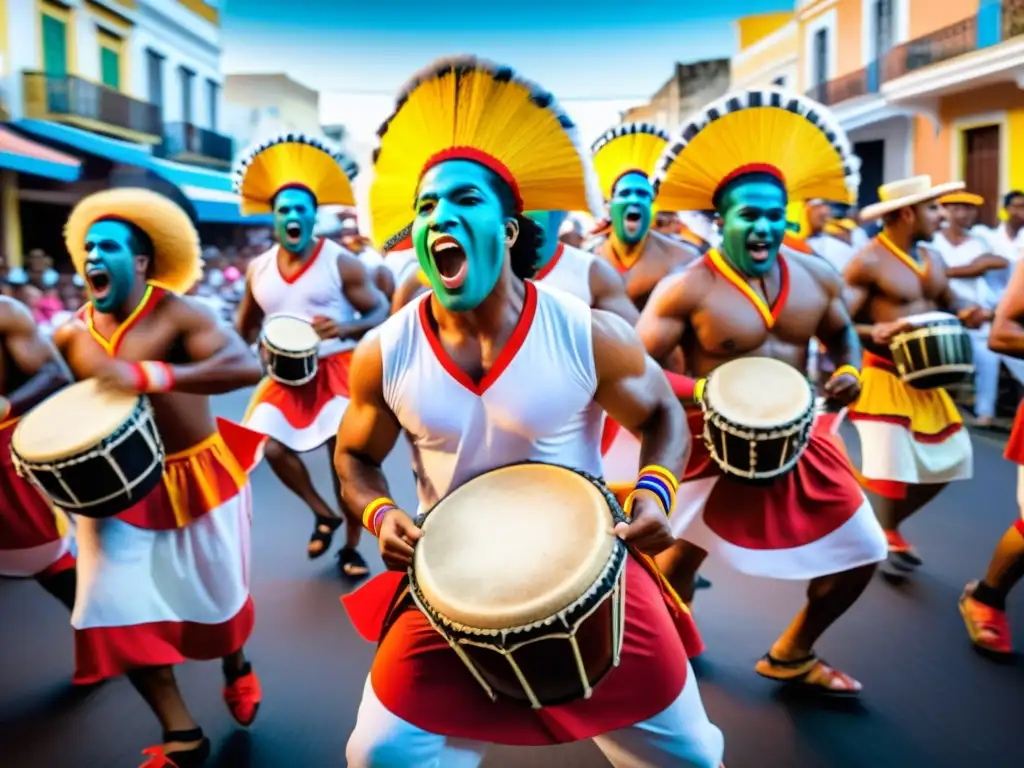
[177, 261]
[905, 193]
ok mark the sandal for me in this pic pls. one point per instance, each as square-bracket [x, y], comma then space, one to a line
[323, 534]
[352, 564]
[987, 627]
[160, 757]
[810, 674]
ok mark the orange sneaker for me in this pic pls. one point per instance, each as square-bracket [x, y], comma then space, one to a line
[243, 698]
[901, 555]
[988, 628]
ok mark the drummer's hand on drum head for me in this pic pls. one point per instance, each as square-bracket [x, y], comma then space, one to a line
[882, 333]
[973, 316]
[398, 534]
[842, 389]
[326, 328]
[648, 530]
[119, 375]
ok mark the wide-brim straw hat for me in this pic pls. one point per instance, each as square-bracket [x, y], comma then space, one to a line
[905, 193]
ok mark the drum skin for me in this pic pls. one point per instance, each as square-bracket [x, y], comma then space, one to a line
[936, 354]
[94, 475]
[539, 645]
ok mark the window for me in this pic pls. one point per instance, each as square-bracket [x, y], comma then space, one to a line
[780, 81]
[820, 72]
[883, 27]
[55, 46]
[212, 97]
[187, 78]
[155, 77]
[110, 60]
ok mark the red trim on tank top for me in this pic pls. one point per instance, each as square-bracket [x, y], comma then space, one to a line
[290, 279]
[550, 266]
[505, 356]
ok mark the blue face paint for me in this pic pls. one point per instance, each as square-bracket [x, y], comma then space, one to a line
[753, 225]
[459, 233]
[548, 222]
[111, 265]
[630, 208]
[294, 219]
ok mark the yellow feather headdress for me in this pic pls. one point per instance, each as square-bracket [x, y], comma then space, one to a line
[293, 160]
[770, 131]
[631, 147]
[470, 109]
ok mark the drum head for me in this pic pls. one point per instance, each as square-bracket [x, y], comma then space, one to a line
[932, 318]
[290, 334]
[758, 392]
[514, 546]
[73, 420]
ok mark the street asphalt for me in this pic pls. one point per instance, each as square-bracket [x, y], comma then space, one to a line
[929, 701]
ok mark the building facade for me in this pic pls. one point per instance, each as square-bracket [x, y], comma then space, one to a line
[114, 84]
[690, 87]
[768, 51]
[259, 105]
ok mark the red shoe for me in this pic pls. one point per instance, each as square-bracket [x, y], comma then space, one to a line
[189, 758]
[987, 626]
[902, 556]
[243, 698]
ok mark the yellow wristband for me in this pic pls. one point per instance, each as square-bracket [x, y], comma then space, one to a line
[664, 474]
[852, 370]
[371, 510]
[698, 389]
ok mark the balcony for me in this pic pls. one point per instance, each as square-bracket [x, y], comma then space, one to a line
[939, 46]
[94, 107]
[863, 82]
[189, 143]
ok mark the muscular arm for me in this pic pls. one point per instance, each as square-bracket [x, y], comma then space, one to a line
[384, 281]
[368, 431]
[836, 331]
[984, 263]
[665, 317]
[249, 318]
[609, 292]
[33, 355]
[364, 296]
[221, 361]
[407, 291]
[858, 280]
[1007, 334]
[634, 392]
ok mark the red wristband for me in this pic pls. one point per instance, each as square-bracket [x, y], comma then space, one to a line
[152, 377]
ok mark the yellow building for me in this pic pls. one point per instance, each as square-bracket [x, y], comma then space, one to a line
[768, 51]
[922, 87]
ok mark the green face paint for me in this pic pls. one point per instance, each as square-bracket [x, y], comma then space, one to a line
[630, 208]
[548, 222]
[459, 233]
[294, 219]
[753, 225]
[110, 262]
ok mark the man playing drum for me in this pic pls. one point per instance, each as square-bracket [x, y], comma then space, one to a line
[913, 441]
[983, 603]
[167, 580]
[579, 273]
[491, 369]
[35, 538]
[317, 281]
[745, 155]
[624, 158]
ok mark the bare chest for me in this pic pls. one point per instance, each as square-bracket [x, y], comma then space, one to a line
[148, 339]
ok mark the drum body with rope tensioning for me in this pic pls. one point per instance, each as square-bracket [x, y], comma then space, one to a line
[520, 571]
[291, 347]
[936, 352]
[90, 450]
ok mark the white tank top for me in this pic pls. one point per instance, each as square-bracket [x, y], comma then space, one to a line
[569, 271]
[315, 290]
[402, 264]
[536, 403]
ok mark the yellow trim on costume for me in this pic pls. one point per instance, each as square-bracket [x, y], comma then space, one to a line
[9, 422]
[900, 254]
[110, 346]
[850, 369]
[698, 389]
[886, 398]
[743, 286]
[196, 467]
[372, 508]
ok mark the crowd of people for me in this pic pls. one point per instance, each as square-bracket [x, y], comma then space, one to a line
[635, 394]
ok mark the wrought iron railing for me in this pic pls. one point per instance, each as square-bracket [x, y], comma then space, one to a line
[187, 139]
[55, 96]
[941, 45]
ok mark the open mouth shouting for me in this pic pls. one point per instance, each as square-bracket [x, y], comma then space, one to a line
[292, 233]
[759, 249]
[632, 219]
[450, 260]
[98, 280]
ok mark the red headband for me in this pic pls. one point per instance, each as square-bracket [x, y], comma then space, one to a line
[487, 161]
[744, 170]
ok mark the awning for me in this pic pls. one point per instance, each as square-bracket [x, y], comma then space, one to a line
[210, 192]
[87, 142]
[26, 156]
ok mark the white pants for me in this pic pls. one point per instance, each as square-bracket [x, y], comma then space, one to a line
[986, 374]
[680, 736]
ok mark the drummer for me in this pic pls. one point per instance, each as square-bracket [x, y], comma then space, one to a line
[467, 371]
[983, 603]
[189, 538]
[624, 158]
[35, 538]
[913, 442]
[316, 280]
[750, 300]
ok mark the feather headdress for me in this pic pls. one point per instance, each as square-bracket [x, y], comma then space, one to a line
[470, 109]
[770, 131]
[293, 160]
[631, 147]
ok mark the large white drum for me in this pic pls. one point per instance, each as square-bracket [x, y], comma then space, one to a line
[291, 345]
